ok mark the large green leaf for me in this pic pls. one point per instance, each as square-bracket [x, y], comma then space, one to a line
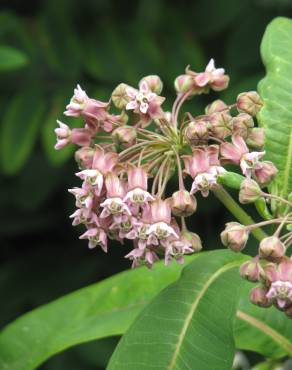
[100, 310]
[266, 331]
[11, 58]
[18, 131]
[189, 325]
[276, 91]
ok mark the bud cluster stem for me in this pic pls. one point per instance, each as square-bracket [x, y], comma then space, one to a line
[276, 197]
[226, 199]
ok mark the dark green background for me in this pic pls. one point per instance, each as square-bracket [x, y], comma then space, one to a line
[97, 44]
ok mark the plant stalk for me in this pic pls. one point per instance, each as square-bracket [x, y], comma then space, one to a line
[237, 211]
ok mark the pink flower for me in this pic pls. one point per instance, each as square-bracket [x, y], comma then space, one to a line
[114, 204]
[96, 236]
[83, 216]
[63, 134]
[81, 105]
[160, 229]
[104, 162]
[248, 162]
[203, 183]
[142, 257]
[204, 167]
[280, 278]
[233, 152]
[84, 197]
[264, 172]
[214, 77]
[93, 178]
[237, 152]
[176, 249]
[125, 226]
[202, 159]
[145, 102]
[137, 194]
[81, 136]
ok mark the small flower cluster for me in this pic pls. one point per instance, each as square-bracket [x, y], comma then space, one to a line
[121, 153]
[271, 267]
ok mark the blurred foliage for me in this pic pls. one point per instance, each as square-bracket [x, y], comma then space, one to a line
[46, 48]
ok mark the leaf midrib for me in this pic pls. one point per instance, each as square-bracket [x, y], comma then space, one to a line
[193, 308]
[263, 327]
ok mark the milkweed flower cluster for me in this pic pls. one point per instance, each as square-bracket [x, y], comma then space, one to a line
[127, 159]
[271, 268]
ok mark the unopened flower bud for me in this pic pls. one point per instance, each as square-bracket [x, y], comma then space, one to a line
[84, 157]
[271, 248]
[197, 132]
[119, 96]
[221, 124]
[249, 191]
[249, 102]
[154, 82]
[183, 83]
[258, 297]
[193, 238]
[216, 106]
[234, 236]
[124, 136]
[183, 204]
[251, 270]
[241, 124]
[220, 83]
[256, 138]
[264, 172]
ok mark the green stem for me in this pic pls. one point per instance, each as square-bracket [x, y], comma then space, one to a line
[237, 211]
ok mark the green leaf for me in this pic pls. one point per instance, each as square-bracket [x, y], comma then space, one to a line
[18, 131]
[213, 16]
[264, 330]
[276, 92]
[100, 310]
[189, 324]
[11, 58]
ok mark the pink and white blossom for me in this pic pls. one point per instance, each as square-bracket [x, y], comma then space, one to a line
[81, 105]
[96, 236]
[93, 178]
[212, 76]
[204, 167]
[63, 134]
[144, 102]
[137, 195]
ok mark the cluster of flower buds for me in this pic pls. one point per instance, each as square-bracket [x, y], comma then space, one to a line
[121, 153]
[271, 268]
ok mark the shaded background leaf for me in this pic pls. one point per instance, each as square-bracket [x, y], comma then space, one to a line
[11, 58]
[19, 130]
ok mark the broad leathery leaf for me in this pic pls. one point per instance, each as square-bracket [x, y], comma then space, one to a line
[276, 92]
[19, 129]
[11, 58]
[189, 324]
[58, 157]
[100, 310]
[264, 330]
